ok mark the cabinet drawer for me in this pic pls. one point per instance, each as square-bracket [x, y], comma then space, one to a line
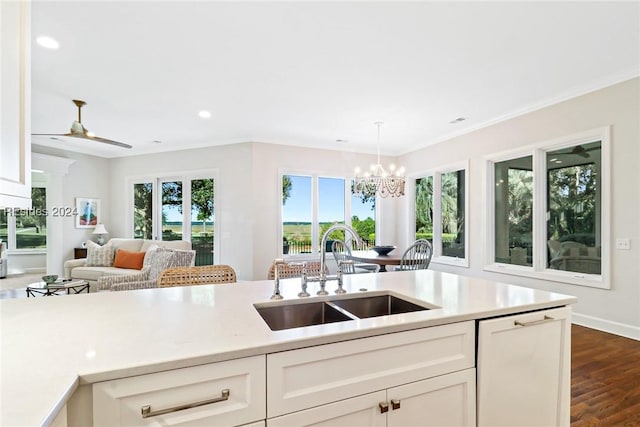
[121, 402]
[300, 379]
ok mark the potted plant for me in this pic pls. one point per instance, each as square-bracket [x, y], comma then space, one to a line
[285, 245]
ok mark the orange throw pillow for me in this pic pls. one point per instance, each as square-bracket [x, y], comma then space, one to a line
[126, 259]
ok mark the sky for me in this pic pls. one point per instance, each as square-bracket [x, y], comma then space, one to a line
[330, 199]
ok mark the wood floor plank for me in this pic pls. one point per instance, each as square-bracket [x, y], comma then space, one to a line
[605, 379]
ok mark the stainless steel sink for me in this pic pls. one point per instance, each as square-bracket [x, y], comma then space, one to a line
[295, 314]
[379, 305]
[287, 316]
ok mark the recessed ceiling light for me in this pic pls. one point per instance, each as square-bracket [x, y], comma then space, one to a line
[458, 120]
[341, 140]
[204, 114]
[156, 141]
[48, 42]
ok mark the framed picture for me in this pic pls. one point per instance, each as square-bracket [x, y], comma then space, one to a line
[88, 212]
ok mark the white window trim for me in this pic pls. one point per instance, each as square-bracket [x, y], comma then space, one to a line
[436, 173]
[38, 180]
[538, 270]
[178, 175]
[315, 175]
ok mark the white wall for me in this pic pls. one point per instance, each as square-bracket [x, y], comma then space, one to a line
[617, 309]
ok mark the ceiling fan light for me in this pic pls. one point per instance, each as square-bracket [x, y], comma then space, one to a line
[91, 134]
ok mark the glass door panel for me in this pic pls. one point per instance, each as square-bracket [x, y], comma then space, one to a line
[143, 210]
[202, 220]
[172, 218]
[330, 208]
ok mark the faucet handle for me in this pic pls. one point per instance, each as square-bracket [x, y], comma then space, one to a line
[344, 264]
[303, 282]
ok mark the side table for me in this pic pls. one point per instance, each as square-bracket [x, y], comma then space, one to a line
[79, 253]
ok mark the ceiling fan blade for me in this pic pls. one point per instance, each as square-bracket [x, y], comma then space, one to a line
[50, 134]
[109, 141]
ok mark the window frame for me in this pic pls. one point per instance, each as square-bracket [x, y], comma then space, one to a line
[539, 268]
[315, 237]
[436, 173]
[38, 180]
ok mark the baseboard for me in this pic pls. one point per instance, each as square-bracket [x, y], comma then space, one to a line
[609, 326]
[35, 270]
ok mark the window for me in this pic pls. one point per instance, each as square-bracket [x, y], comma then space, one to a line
[514, 211]
[548, 217]
[26, 228]
[311, 204]
[176, 208]
[440, 214]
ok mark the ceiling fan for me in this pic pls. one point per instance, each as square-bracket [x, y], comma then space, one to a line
[579, 150]
[79, 131]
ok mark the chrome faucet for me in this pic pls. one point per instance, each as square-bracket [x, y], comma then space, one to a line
[322, 278]
[277, 263]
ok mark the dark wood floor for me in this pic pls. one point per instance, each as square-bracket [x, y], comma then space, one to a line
[605, 379]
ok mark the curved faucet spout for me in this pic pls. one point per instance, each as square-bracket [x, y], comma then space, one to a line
[323, 245]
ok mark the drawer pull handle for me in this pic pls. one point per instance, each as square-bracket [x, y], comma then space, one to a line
[384, 407]
[395, 404]
[534, 322]
[146, 410]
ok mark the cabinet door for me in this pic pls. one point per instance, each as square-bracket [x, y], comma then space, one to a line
[15, 83]
[448, 400]
[357, 411]
[226, 393]
[524, 369]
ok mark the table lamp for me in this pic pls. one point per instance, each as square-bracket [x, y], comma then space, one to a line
[100, 231]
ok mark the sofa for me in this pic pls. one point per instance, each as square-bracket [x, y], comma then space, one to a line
[78, 270]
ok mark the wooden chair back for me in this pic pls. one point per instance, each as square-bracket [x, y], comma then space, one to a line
[417, 256]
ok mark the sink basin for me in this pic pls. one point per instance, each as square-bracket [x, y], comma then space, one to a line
[287, 316]
[379, 305]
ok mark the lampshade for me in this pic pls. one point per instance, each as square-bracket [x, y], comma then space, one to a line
[100, 229]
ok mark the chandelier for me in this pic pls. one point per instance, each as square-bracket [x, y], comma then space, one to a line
[378, 180]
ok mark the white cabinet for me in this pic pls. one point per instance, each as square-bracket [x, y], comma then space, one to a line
[301, 379]
[227, 393]
[447, 400]
[15, 98]
[524, 369]
[373, 381]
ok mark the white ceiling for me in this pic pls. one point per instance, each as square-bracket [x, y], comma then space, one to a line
[309, 73]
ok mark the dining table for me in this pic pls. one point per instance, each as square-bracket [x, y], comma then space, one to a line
[372, 257]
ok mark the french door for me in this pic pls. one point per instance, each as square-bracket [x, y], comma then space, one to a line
[177, 208]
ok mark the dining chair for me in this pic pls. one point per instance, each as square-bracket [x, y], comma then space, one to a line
[342, 252]
[417, 256]
[294, 270]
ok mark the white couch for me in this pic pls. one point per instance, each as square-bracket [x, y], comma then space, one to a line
[76, 268]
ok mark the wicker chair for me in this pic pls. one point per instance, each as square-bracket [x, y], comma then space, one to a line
[295, 270]
[202, 275]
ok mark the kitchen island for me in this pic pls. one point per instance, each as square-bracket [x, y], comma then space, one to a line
[51, 346]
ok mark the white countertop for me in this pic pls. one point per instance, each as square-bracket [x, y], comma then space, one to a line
[49, 345]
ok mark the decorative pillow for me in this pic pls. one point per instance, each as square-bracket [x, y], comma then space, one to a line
[128, 259]
[157, 262]
[99, 256]
[148, 256]
[180, 258]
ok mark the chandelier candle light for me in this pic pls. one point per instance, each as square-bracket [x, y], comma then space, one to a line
[379, 181]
